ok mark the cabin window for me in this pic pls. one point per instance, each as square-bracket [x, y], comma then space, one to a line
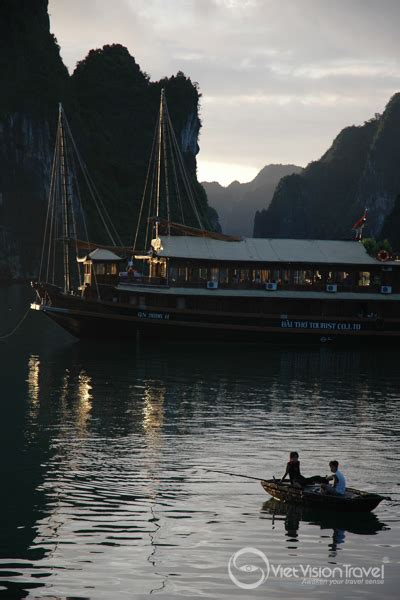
[364, 278]
[182, 273]
[132, 299]
[203, 273]
[303, 277]
[343, 277]
[265, 275]
[142, 301]
[173, 273]
[214, 273]
[298, 277]
[334, 277]
[285, 277]
[224, 276]
[193, 274]
[318, 277]
[110, 269]
[100, 269]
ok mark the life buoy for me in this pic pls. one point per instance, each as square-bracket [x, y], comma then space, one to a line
[383, 255]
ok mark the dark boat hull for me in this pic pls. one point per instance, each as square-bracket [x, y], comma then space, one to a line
[98, 319]
[358, 502]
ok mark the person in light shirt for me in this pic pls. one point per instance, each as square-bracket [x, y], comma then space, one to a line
[339, 482]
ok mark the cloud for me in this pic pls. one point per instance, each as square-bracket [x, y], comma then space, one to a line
[279, 78]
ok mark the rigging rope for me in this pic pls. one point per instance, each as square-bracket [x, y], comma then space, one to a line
[101, 209]
[145, 188]
[183, 172]
[18, 325]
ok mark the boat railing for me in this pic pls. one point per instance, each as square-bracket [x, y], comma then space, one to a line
[262, 286]
[141, 280]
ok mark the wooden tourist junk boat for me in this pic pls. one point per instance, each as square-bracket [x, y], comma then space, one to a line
[310, 496]
[191, 283]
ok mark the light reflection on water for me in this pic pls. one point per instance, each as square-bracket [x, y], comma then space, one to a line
[104, 447]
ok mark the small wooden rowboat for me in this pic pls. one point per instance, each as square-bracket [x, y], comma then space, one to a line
[310, 495]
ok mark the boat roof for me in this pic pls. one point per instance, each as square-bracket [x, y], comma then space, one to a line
[269, 250]
[100, 254]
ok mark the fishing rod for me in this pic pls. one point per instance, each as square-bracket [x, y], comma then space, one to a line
[234, 474]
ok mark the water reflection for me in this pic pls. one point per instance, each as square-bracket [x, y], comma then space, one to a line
[340, 523]
[101, 446]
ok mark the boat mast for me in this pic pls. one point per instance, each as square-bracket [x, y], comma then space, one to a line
[164, 133]
[65, 202]
[160, 132]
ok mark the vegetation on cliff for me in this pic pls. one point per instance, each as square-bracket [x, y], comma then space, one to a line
[32, 75]
[112, 108]
[361, 169]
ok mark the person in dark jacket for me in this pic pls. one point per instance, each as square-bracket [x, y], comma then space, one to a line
[293, 471]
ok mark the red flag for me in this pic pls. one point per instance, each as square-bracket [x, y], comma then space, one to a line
[361, 222]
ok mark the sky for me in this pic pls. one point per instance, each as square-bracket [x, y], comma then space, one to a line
[279, 78]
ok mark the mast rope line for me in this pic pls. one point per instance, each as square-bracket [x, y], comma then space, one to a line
[145, 188]
[185, 177]
[18, 325]
[101, 209]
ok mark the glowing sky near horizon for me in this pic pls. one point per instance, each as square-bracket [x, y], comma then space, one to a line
[279, 78]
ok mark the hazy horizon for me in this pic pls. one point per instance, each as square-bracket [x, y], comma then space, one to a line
[279, 80]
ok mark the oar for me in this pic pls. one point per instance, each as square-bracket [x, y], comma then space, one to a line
[234, 474]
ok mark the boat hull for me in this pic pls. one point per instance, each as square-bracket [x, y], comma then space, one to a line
[83, 322]
[358, 501]
[156, 313]
[104, 320]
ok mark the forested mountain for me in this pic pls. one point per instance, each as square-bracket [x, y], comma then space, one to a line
[112, 108]
[237, 203]
[360, 170]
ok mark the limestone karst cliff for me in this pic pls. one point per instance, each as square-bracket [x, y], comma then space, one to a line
[361, 169]
[112, 109]
[237, 203]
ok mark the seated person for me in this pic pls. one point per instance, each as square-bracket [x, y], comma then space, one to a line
[339, 482]
[293, 470]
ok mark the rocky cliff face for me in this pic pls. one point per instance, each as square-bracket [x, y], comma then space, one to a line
[361, 169]
[32, 79]
[25, 162]
[112, 108]
[379, 184]
[237, 203]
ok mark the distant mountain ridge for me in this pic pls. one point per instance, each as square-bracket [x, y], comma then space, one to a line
[237, 203]
[361, 169]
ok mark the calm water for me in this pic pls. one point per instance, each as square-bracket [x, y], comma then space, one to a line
[104, 492]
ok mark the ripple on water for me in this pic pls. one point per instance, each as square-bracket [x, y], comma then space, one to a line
[107, 455]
